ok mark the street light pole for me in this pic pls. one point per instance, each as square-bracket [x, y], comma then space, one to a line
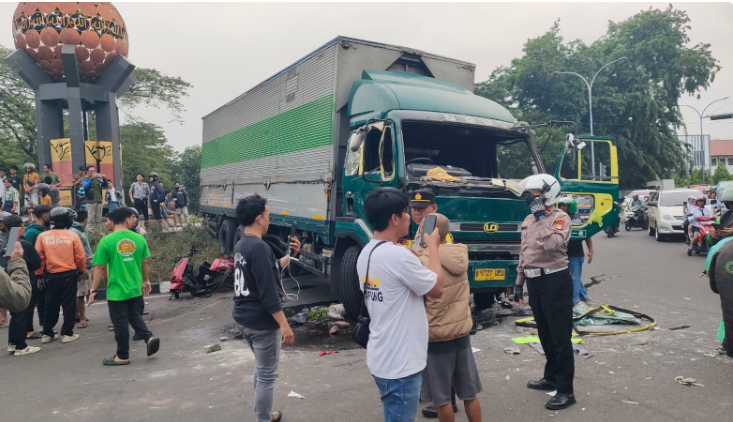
[589, 85]
[702, 141]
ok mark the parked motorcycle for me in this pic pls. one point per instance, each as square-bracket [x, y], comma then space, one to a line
[636, 221]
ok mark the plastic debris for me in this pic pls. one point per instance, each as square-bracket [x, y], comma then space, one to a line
[551, 393]
[512, 351]
[224, 338]
[336, 311]
[687, 381]
[212, 348]
[475, 349]
[295, 395]
[508, 377]
[328, 352]
[629, 402]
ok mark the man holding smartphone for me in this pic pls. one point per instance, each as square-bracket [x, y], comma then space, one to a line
[258, 294]
[394, 295]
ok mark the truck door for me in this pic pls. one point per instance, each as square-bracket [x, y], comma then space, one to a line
[588, 171]
[370, 163]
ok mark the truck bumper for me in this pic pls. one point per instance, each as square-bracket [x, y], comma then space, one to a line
[510, 274]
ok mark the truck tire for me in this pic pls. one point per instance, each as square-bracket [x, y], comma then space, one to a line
[226, 235]
[351, 294]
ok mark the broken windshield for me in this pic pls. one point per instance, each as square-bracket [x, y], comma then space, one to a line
[465, 151]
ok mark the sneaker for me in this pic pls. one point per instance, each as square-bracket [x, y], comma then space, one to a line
[27, 351]
[11, 348]
[276, 416]
[69, 339]
[47, 339]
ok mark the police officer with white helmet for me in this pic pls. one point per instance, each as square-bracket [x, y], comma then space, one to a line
[543, 265]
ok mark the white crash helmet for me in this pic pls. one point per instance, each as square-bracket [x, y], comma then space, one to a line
[538, 182]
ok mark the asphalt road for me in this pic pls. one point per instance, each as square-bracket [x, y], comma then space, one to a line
[627, 377]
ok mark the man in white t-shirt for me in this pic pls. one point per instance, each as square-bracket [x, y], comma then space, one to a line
[398, 339]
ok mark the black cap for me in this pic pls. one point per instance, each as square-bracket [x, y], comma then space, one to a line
[421, 198]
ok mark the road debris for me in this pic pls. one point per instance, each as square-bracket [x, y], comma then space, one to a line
[512, 351]
[223, 338]
[295, 395]
[681, 327]
[629, 402]
[328, 352]
[508, 377]
[475, 349]
[212, 348]
[551, 393]
[687, 381]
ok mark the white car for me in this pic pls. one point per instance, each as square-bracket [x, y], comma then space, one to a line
[665, 213]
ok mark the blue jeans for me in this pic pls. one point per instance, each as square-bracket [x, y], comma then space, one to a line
[575, 265]
[265, 345]
[113, 206]
[400, 397]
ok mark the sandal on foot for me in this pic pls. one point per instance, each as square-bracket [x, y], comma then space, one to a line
[82, 325]
[34, 336]
[110, 328]
[153, 346]
[146, 312]
[112, 362]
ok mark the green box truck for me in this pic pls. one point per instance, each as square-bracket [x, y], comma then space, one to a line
[354, 115]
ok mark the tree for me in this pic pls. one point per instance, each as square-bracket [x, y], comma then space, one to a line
[187, 173]
[634, 102]
[145, 149]
[721, 174]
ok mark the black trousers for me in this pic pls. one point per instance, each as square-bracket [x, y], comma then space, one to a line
[122, 313]
[17, 330]
[38, 300]
[724, 284]
[551, 300]
[141, 205]
[60, 293]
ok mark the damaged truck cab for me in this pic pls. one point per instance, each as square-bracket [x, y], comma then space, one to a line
[353, 116]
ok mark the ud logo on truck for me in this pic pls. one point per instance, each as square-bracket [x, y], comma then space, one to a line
[491, 227]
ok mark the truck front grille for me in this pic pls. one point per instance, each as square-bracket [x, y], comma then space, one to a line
[479, 227]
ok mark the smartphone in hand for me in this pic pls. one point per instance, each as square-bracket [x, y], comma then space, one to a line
[13, 237]
[717, 226]
[292, 235]
[428, 226]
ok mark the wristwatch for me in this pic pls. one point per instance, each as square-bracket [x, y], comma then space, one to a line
[93, 291]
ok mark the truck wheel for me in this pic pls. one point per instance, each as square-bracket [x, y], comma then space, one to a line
[226, 235]
[351, 294]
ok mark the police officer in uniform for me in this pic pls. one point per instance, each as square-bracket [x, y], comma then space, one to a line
[543, 265]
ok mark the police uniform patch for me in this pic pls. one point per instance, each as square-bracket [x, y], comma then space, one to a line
[560, 223]
[527, 221]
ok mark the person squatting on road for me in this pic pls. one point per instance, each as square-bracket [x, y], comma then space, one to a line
[576, 254]
[451, 365]
[543, 265]
[62, 260]
[123, 256]
[17, 332]
[258, 296]
[393, 292]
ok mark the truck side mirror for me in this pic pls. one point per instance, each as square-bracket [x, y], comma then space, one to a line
[357, 138]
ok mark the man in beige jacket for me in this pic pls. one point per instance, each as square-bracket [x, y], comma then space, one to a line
[15, 285]
[450, 356]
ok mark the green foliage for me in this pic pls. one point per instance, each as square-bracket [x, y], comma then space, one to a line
[187, 172]
[633, 101]
[721, 174]
[154, 89]
[145, 149]
[695, 178]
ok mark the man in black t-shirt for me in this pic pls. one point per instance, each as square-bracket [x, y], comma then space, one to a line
[258, 293]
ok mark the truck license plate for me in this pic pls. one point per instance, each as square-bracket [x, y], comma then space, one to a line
[484, 274]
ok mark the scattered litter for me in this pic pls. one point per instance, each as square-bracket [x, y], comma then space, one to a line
[577, 350]
[336, 311]
[629, 402]
[657, 328]
[211, 379]
[552, 393]
[212, 348]
[525, 340]
[589, 356]
[295, 395]
[610, 372]
[601, 363]
[508, 377]
[648, 378]
[681, 327]
[583, 409]
[711, 354]
[687, 381]
[223, 338]
[328, 352]
[512, 351]
[475, 349]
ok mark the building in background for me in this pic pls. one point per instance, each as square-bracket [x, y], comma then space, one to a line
[721, 151]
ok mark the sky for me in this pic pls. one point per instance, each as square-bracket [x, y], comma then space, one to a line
[224, 49]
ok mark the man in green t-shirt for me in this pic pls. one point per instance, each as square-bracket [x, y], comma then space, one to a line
[123, 256]
[48, 172]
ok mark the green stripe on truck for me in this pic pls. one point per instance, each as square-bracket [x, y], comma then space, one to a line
[305, 127]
